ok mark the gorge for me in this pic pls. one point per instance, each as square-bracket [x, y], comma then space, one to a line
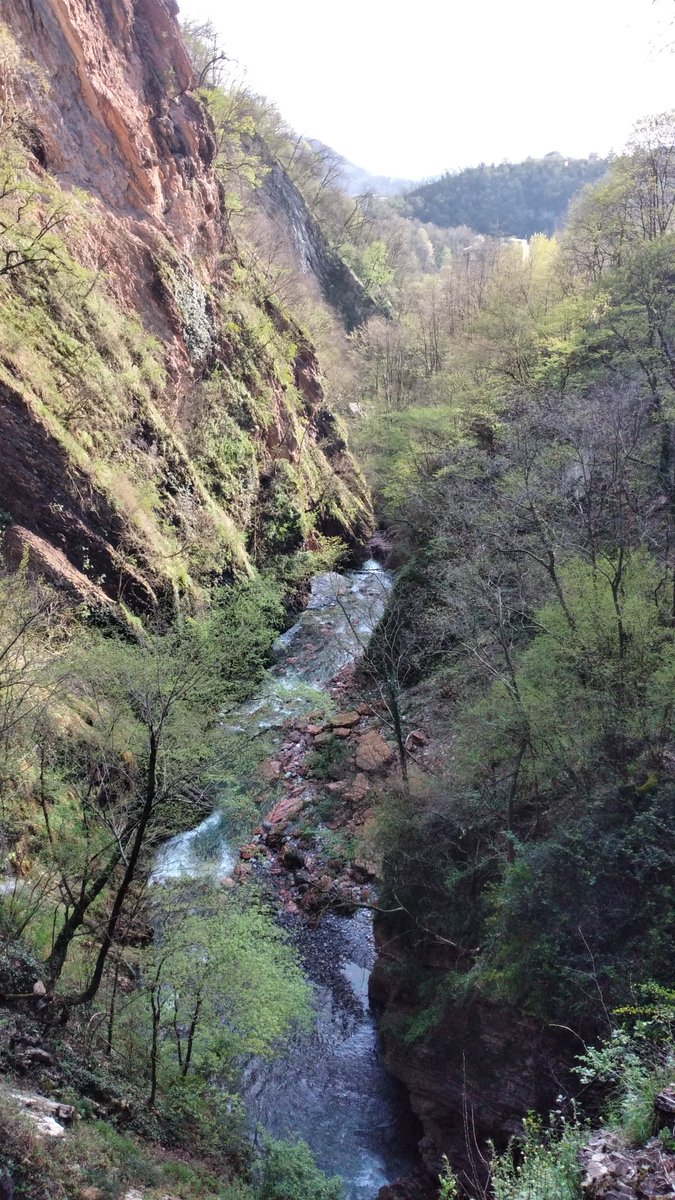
[337, 665]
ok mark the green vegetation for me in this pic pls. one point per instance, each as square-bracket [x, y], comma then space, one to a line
[520, 430]
[109, 746]
[289, 1173]
[513, 407]
[507, 199]
[542, 1165]
[635, 1063]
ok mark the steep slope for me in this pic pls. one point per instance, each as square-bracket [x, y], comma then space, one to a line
[163, 423]
[284, 203]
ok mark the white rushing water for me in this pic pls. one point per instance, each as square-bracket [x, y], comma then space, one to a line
[180, 858]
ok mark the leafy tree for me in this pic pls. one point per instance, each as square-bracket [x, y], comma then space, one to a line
[221, 981]
[290, 1173]
[151, 755]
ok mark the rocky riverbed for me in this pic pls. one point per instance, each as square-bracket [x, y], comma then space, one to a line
[328, 754]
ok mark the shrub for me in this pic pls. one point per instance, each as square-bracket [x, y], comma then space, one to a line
[290, 1173]
[543, 1165]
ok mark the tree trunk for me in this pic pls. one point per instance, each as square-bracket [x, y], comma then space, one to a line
[90, 991]
[191, 1038]
[56, 961]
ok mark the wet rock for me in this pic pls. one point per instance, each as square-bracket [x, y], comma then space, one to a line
[293, 858]
[373, 753]
[411, 1187]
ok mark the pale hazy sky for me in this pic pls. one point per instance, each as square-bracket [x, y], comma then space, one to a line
[410, 89]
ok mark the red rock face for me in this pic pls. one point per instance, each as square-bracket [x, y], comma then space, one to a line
[115, 119]
[107, 111]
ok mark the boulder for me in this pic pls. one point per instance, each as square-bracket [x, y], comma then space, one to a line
[615, 1171]
[284, 811]
[293, 858]
[49, 1116]
[664, 1103]
[417, 738]
[359, 789]
[372, 752]
[345, 720]
[271, 770]
[342, 733]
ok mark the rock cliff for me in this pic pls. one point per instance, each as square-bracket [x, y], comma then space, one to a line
[474, 1068]
[279, 197]
[163, 424]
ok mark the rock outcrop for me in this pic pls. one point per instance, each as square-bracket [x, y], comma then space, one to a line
[162, 422]
[477, 1068]
[285, 204]
[614, 1171]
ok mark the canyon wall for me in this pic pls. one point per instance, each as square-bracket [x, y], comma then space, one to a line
[163, 423]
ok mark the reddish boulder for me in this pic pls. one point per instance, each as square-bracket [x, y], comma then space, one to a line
[373, 753]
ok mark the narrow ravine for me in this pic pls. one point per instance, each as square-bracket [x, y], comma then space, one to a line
[331, 1089]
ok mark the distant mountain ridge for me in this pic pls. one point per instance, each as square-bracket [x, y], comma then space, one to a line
[507, 199]
[357, 180]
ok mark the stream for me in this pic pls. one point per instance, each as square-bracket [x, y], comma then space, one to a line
[331, 1088]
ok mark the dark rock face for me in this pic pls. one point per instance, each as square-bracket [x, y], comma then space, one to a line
[340, 287]
[478, 1070]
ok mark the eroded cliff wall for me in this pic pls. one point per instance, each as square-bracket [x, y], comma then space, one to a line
[163, 425]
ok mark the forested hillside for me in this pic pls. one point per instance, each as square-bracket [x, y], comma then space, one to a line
[505, 199]
[231, 741]
[523, 442]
